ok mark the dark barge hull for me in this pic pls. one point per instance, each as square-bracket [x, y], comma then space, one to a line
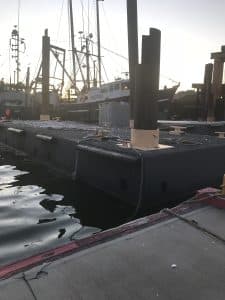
[143, 179]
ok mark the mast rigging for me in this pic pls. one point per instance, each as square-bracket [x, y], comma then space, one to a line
[99, 43]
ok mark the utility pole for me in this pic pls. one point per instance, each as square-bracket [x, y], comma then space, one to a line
[99, 43]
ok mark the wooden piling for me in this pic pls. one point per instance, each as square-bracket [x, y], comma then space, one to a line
[208, 105]
[145, 134]
[216, 87]
[45, 76]
[132, 25]
[27, 90]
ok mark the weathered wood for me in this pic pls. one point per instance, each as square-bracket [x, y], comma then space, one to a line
[208, 104]
[145, 114]
[216, 87]
[132, 24]
[147, 82]
[198, 85]
[151, 53]
[45, 73]
[145, 134]
[218, 55]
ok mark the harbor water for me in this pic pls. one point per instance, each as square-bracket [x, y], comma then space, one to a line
[40, 210]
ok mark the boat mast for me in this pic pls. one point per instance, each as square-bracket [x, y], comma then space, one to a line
[99, 43]
[17, 46]
[88, 63]
[18, 43]
[72, 40]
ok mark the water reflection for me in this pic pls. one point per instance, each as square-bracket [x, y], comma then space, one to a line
[40, 210]
[32, 221]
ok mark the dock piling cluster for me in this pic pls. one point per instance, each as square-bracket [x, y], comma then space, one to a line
[145, 134]
[211, 92]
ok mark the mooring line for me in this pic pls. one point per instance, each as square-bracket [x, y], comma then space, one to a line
[194, 224]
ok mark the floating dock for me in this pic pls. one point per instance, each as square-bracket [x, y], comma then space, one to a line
[175, 254]
[100, 158]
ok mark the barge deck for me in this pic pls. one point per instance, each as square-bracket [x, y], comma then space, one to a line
[144, 179]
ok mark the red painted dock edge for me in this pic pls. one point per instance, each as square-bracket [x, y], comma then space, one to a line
[211, 196]
[99, 238]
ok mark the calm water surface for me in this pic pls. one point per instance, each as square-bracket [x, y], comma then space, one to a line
[40, 210]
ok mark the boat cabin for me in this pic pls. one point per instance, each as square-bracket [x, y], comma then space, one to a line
[109, 91]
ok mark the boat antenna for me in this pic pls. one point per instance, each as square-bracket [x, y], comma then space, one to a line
[99, 42]
[18, 20]
[88, 16]
[82, 8]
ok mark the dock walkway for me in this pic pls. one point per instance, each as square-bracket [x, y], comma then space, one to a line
[167, 260]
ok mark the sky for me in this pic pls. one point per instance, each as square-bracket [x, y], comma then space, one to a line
[191, 30]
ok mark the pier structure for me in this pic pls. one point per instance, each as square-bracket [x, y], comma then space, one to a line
[217, 83]
[212, 91]
[144, 83]
[44, 81]
[204, 93]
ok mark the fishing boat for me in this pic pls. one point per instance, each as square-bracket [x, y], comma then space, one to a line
[94, 101]
[100, 104]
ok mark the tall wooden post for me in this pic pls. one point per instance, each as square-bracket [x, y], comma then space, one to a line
[208, 98]
[216, 87]
[132, 24]
[27, 91]
[45, 76]
[145, 134]
[218, 66]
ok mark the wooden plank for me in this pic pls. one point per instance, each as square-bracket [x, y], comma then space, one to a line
[218, 55]
[198, 85]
